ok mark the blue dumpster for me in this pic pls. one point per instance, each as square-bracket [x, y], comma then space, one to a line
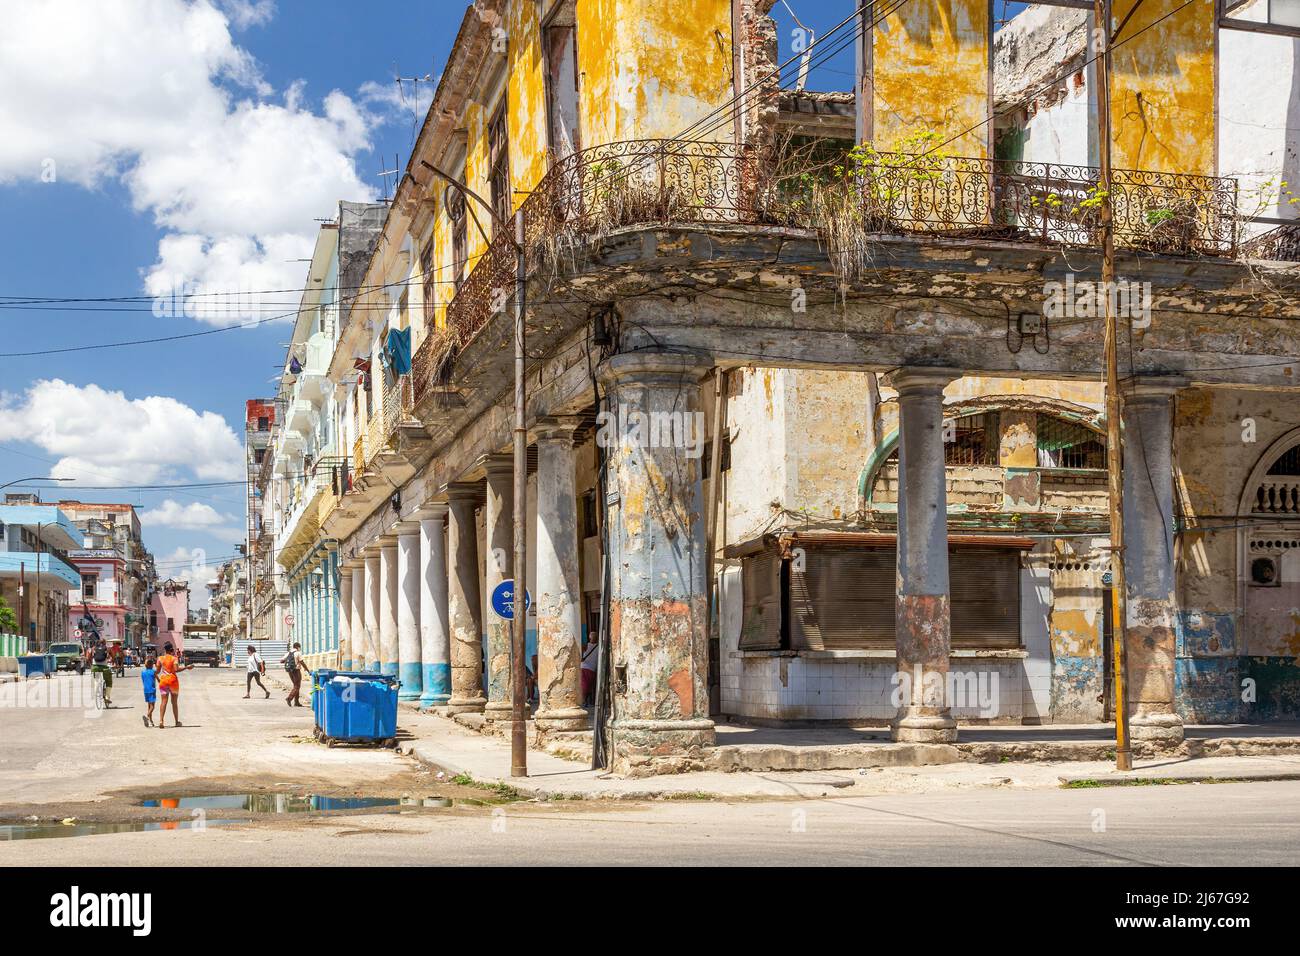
[359, 708]
[319, 678]
[36, 665]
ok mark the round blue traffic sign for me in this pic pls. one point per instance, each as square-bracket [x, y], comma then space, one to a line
[503, 600]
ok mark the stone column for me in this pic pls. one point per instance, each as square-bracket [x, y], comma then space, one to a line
[464, 607]
[922, 614]
[435, 635]
[357, 612]
[345, 616]
[408, 611]
[559, 590]
[498, 563]
[658, 619]
[373, 590]
[1151, 610]
[388, 655]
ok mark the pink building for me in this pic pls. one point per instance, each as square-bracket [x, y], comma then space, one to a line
[169, 610]
[100, 597]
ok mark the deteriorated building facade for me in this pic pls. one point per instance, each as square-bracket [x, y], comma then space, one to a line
[813, 378]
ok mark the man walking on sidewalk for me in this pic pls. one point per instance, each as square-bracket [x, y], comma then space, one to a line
[294, 666]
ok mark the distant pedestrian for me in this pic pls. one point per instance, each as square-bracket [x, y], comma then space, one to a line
[149, 681]
[590, 660]
[169, 684]
[256, 668]
[294, 666]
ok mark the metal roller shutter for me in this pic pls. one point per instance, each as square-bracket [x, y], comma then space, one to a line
[761, 586]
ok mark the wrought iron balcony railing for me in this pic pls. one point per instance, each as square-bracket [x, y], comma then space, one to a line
[1281, 244]
[645, 182]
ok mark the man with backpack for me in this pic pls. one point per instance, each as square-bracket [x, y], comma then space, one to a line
[294, 666]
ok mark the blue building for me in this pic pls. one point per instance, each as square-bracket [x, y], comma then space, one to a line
[35, 574]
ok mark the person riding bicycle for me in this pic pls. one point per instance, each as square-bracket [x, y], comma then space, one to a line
[100, 664]
[118, 659]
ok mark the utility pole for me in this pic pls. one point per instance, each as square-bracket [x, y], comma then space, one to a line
[518, 622]
[1114, 403]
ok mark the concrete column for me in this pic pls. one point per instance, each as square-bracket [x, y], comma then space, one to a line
[658, 610]
[435, 635]
[408, 611]
[498, 563]
[388, 656]
[464, 607]
[373, 590]
[1151, 609]
[357, 615]
[559, 589]
[345, 616]
[922, 614]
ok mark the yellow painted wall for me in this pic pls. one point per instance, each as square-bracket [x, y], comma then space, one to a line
[650, 69]
[1162, 88]
[931, 70]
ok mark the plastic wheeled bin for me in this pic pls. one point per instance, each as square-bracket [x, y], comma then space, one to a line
[359, 708]
[36, 665]
[319, 678]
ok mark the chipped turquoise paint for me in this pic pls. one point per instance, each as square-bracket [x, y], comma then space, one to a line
[1206, 634]
[1207, 690]
[1077, 683]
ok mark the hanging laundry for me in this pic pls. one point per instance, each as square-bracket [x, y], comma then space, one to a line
[295, 367]
[399, 350]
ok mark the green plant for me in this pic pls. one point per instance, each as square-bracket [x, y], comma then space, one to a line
[8, 620]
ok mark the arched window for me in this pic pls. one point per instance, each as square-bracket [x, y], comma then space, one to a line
[1063, 444]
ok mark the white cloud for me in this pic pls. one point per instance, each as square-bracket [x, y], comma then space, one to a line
[157, 93]
[190, 565]
[106, 438]
[187, 517]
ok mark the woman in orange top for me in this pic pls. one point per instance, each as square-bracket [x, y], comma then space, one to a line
[169, 684]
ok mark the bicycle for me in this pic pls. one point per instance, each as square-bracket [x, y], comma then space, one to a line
[97, 677]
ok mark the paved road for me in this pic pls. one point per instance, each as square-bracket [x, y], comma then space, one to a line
[51, 758]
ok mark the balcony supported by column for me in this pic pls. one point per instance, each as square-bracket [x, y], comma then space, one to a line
[498, 564]
[658, 608]
[435, 632]
[922, 616]
[1151, 606]
[559, 593]
[409, 669]
[464, 606]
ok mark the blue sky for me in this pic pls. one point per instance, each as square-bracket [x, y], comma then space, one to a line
[95, 231]
[144, 142]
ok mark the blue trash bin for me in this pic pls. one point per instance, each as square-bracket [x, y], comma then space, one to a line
[359, 708]
[319, 678]
[36, 665]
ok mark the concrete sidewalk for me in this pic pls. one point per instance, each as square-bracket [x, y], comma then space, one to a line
[441, 742]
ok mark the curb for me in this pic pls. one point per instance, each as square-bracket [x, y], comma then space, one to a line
[1140, 780]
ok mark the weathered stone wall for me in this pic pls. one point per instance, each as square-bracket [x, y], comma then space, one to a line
[1230, 633]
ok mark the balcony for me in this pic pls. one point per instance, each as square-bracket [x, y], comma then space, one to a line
[1277, 495]
[300, 418]
[867, 194]
[1278, 245]
[312, 381]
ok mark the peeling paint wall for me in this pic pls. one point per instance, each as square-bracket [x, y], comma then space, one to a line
[1235, 642]
[931, 73]
[650, 69]
[1163, 87]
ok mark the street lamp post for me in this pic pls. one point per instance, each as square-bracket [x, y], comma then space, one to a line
[518, 730]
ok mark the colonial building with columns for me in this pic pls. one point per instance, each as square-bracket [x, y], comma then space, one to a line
[810, 439]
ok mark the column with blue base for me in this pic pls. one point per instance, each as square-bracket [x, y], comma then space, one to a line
[372, 609]
[498, 520]
[357, 615]
[409, 670]
[435, 635]
[345, 617]
[388, 656]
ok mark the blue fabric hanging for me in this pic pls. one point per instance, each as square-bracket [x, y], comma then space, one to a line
[399, 350]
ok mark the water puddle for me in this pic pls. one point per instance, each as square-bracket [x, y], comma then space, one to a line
[290, 802]
[55, 831]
